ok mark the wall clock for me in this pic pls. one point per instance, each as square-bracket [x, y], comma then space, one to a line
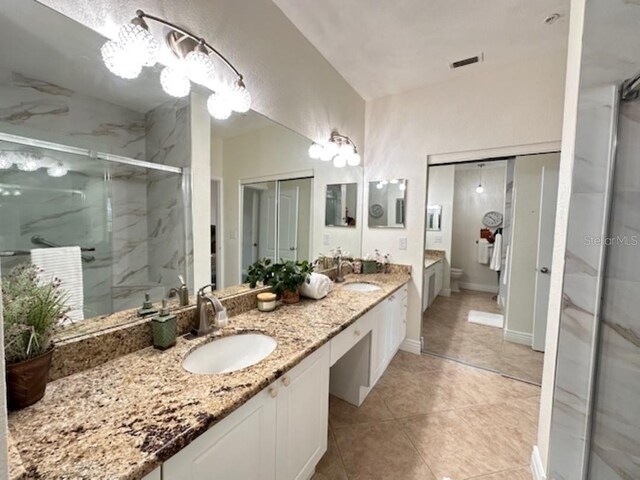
[492, 219]
[376, 210]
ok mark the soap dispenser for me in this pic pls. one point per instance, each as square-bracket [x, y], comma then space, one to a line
[163, 327]
[147, 307]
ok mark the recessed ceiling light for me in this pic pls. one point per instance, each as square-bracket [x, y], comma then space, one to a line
[553, 18]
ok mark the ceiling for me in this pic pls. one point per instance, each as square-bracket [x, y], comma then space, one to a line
[382, 47]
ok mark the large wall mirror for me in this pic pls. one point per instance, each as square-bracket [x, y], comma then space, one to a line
[90, 160]
[386, 207]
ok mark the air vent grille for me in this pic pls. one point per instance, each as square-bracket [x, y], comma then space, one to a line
[466, 61]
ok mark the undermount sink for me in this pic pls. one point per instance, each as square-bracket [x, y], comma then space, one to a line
[229, 354]
[361, 287]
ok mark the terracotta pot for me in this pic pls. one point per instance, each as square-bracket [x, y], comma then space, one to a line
[27, 380]
[290, 297]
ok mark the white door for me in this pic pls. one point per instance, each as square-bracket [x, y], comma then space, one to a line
[302, 418]
[546, 228]
[267, 225]
[240, 447]
[288, 224]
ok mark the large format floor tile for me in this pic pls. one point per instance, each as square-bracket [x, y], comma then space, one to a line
[431, 418]
[447, 332]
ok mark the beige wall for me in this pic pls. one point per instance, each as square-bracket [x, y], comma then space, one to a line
[468, 209]
[507, 107]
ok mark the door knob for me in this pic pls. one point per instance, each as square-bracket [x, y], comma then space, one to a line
[544, 270]
[292, 248]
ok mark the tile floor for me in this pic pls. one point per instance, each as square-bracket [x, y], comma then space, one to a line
[448, 332]
[430, 418]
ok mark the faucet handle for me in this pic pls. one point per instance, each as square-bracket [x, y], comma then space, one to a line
[181, 280]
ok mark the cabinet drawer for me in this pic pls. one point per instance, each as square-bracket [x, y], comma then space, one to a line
[346, 339]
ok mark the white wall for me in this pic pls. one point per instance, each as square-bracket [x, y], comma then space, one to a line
[512, 106]
[569, 123]
[441, 188]
[524, 242]
[469, 207]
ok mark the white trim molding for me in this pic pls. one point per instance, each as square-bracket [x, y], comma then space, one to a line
[511, 151]
[478, 287]
[522, 338]
[537, 469]
[411, 346]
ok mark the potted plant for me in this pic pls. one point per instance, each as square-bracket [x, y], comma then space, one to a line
[260, 272]
[32, 309]
[287, 278]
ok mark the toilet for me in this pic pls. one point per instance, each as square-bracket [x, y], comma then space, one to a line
[456, 275]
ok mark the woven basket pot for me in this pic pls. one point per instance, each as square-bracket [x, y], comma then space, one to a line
[27, 380]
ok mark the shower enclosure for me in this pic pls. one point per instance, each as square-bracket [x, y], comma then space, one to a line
[127, 215]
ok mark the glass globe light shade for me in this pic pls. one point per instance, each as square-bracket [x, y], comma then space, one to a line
[332, 149]
[139, 43]
[5, 161]
[394, 181]
[6, 193]
[17, 193]
[384, 182]
[240, 98]
[199, 67]
[315, 151]
[174, 82]
[479, 189]
[354, 160]
[402, 186]
[347, 150]
[119, 62]
[57, 170]
[326, 155]
[379, 186]
[218, 106]
[29, 163]
[339, 161]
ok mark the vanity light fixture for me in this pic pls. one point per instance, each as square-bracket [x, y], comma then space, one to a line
[28, 162]
[480, 188]
[57, 170]
[338, 148]
[135, 47]
[5, 161]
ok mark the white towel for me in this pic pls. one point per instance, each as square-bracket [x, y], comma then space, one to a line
[318, 287]
[505, 270]
[484, 254]
[66, 264]
[496, 257]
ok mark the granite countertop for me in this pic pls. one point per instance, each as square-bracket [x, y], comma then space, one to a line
[429, 261]
[16, 468]
[122, 419]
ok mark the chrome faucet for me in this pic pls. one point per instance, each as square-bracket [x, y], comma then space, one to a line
[220, 319]
[340, 262]
[182, 292]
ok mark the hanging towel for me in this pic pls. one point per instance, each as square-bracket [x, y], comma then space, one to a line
[66, 264]
[496, 257]
[318, 287]
[505, 271]
[484, 253]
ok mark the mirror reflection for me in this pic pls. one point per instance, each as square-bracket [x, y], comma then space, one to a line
[387, 203]
[341, 205]
[116, 169]
[434, 218]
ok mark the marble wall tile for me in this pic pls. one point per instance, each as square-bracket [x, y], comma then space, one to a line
[571, 409]
[38, 109]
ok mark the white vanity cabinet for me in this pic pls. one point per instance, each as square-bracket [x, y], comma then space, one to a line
[432, 283]
[391, 329]
[281, 433]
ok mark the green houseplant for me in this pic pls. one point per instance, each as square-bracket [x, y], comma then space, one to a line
[284, 278]
[32, 309]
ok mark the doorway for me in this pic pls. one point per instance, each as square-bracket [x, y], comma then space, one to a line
[487, 262]
[275, 221]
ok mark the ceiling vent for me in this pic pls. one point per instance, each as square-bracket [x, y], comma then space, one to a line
[466, 61]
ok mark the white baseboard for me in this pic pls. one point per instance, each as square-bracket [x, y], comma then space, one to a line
[411, 346]
[537, 469]
[479, 287]
[522, 338]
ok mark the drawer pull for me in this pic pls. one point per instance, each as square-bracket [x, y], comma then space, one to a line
[273, 392]
[286, 381]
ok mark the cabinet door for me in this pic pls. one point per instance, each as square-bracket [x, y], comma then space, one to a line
[240, 447]
[379, 340]
[155, 475]
[302, 418]
[439, 278]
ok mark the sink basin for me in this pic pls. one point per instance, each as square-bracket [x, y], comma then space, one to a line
[230, 353]
[361, 287]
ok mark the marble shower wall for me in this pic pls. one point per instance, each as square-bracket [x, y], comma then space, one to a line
[582, 287]
[168, 143]
[38, 109]
[615, 441]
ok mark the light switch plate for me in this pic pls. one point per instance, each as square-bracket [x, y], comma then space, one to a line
[402, 244]
[326, 239]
